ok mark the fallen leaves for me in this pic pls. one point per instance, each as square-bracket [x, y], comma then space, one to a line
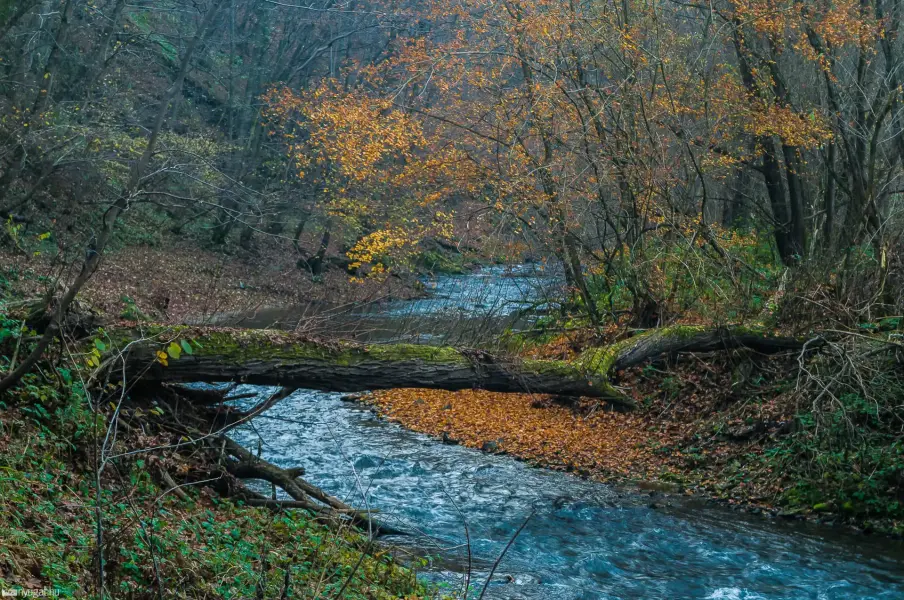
[181, 281]
[600, 443]
[692, 427]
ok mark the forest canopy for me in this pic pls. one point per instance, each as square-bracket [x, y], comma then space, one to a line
[677, 161]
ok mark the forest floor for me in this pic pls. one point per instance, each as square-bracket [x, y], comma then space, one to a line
[157, 542]
[186, 281]
[150, 271]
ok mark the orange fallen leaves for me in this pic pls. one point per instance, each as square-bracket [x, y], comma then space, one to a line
[695, 425]
[601, 444]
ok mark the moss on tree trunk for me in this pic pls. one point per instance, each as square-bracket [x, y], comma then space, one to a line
[265, 357]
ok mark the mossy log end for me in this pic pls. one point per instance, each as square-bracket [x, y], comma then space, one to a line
[654, 343]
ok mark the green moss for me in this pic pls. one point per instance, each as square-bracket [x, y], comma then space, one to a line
[262, 345]
[681, 331]
[435, 354]
[576, 371]
[599, 361]
[242, 345]
[552, 367]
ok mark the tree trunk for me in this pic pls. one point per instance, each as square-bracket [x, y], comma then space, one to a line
[788, 248]
[828, 224]
[245, 465]
[17, 164]
[316, 262]
[92, 71]
[784, 239]
[686, 338]
[735, 211]
[227, 214]
[263, 357]
[797, 199]
[95, 251]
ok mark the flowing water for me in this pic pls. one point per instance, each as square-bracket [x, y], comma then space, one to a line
[579, 539]
[458, 309]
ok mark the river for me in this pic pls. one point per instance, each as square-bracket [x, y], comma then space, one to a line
[581, 540]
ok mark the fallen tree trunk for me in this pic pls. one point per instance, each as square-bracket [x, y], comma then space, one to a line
[654, 343]
[604, 363]
[264, 357]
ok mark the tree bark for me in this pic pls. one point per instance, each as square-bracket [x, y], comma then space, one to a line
[262, 357]
[277, 358]
[797, 200]
[828, 224]
[316, 263]
[669, 340]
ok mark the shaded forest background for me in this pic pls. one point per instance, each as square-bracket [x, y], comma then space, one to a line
[734, 162]
[667, 156]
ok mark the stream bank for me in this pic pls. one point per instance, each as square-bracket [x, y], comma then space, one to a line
[699, 428]
[642, 449]
[582, 539]
[59, 518]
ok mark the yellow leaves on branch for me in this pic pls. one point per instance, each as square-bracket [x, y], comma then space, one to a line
[793, 128]
[443, 226]
[394, 243]
[838, 23]
[377, 245]
[846, 22]
[351, 132]
[370, 161]
[739, 114]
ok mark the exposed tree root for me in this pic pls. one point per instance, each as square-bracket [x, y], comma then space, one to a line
[225, 416]
[245, 465]
[605, 362]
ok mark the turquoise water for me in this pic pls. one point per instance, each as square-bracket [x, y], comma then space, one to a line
[469, 309]
[582, 540]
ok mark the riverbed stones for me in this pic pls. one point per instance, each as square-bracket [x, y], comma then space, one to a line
[492, 446]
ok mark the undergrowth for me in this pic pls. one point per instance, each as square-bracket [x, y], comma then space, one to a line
[818, 431]
[766, 432]
[155, 543]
